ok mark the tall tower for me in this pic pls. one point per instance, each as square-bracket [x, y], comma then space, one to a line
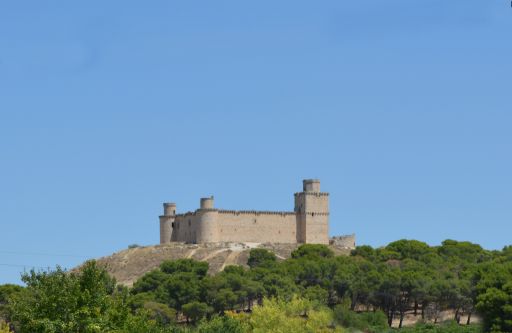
[207, 231]
[312, 209]
[166, 222]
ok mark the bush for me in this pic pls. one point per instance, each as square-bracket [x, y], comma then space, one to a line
[375, 322]
[221, 325]
[448, 327]
[4, 327]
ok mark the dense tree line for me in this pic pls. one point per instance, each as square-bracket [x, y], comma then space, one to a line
[313, 291]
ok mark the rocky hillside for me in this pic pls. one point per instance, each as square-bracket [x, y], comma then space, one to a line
[128, 265]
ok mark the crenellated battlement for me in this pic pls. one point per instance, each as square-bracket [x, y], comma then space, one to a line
[255, 212]
[315, 194]
[308, 223]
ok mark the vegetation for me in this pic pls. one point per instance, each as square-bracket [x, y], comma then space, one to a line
[314, 291]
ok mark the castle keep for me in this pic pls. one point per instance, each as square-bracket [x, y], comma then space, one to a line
[308, 223]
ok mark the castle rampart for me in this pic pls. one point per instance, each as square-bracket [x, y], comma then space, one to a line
[346, 241]
[308, 223]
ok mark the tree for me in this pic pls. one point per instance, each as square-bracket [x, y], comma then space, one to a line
[179, 289]
[463, 251]
[159, 312]
[388, 293]
[223, 324]
[261, 258]
[4, 327]
[149, 282]
[279, 285]
[6, 291]
[198, 268]
[495, 297]
[296, 315]
[409, 249]
[196, 310]
[312, 251]
[58, 301]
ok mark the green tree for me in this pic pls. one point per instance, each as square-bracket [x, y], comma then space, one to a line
[261, 258]
[159, 312]
[494, 300]
[409, 249]
[198, 268]
[222, 324]
[179, 289]
[6, 291]
[196, 310]
[312, 251]
[58, 301]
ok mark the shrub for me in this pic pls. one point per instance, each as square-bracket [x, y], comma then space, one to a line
[221, 325]
[4, 327]
[159, 312]
[375, 322]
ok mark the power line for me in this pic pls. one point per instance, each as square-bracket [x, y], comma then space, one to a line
[24, 266]
[43, 254]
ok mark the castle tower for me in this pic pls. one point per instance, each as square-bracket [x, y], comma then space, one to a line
[207, 228]
[166, 222]
[207, 203]
[312, 209]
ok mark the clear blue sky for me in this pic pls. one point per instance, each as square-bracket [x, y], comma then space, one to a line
[108, 108]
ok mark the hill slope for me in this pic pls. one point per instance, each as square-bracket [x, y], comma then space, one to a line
[130, 264]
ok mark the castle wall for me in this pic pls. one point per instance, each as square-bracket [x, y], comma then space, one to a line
[257, 227]
[186, 228]
[208, 226]
[346, 241]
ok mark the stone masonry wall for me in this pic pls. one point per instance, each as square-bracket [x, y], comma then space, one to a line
[345, 241]
[238, 226]
[257, 227]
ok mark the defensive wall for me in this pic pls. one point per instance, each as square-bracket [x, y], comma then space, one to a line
[346, 241]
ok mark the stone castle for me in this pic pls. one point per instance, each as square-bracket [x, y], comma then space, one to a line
[308, 223]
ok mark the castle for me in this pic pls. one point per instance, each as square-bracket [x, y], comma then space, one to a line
[308, 223]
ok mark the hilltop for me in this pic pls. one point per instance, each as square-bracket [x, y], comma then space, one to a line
[130, 264]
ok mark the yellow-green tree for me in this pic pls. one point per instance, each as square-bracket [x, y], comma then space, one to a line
[4, 327]
[297, 315]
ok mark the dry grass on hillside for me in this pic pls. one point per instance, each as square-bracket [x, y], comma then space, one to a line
[130, 264]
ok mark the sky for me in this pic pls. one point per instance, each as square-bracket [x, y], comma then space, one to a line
[401, 108]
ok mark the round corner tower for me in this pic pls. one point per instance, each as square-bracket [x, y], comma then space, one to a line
[166, 222]
[207, 228]
[207, 203]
